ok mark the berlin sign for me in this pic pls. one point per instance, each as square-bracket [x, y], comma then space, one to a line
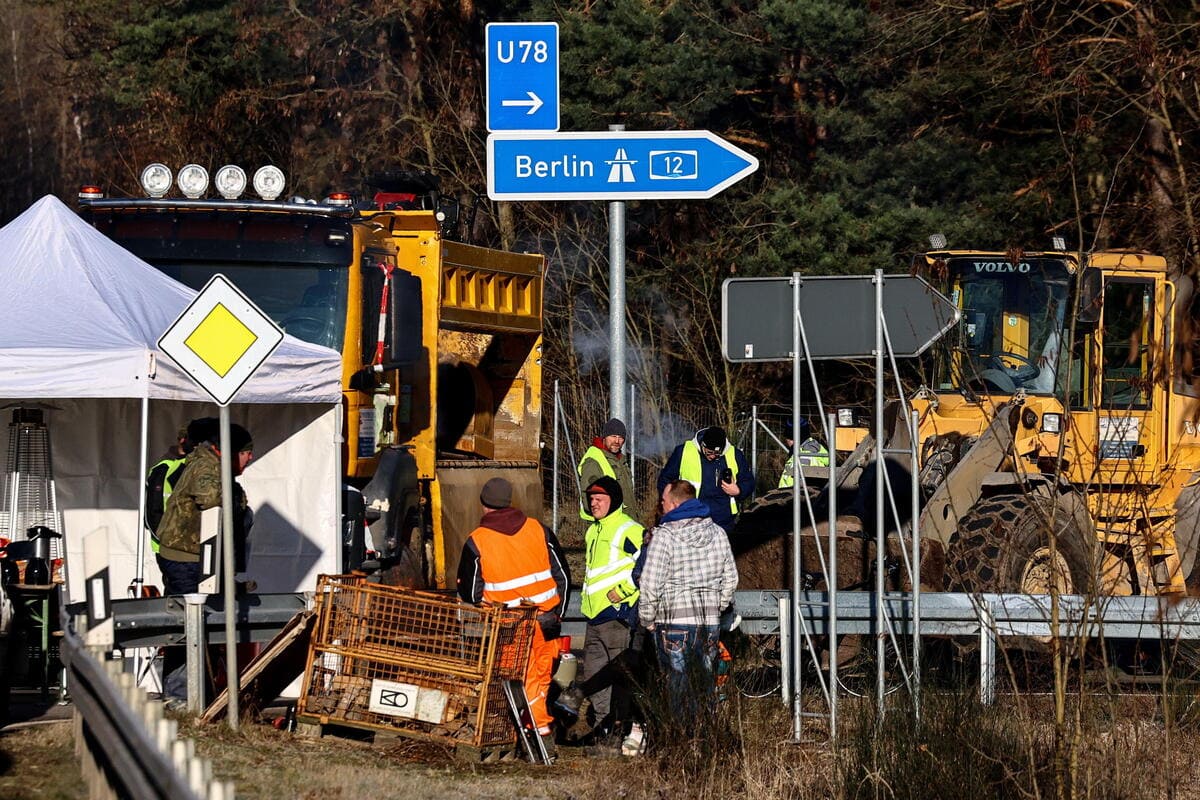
[838, 315]
[613, 165]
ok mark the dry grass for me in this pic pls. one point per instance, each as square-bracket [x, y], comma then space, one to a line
[1116, 747]
[38, 761]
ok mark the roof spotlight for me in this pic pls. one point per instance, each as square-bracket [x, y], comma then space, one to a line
[1059, 243]
[268, 182]
[937, 241]
[230, 181]
[192, 181]
[156, 180]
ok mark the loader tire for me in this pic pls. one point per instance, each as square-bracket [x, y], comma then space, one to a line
[1003, 545]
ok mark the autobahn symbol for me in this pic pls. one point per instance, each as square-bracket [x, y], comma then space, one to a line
[613, 165]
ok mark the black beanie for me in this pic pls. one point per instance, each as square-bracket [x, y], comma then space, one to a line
[614, 427]
[497, 493]
[610, 487]
[713, 438]
[204, 429]
[239, 438]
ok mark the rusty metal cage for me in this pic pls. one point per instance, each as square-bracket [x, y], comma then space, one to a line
[416, 663]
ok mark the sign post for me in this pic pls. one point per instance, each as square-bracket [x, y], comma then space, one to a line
[220, 340]
[527, 159]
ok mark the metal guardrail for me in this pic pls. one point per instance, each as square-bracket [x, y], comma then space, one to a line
[127, 748]
[991, 617]
[956, 614]
[159, 621]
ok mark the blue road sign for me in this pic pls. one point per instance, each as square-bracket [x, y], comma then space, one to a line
[613, 165]
[522, 76]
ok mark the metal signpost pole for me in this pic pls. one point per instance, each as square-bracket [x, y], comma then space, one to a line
[797, 564]
[880, 537]
[554, 465]
[916, 563]
[632, 449]
[616, 303]
[227, 545]
[209, 367]
[754, 439]
[831, 580]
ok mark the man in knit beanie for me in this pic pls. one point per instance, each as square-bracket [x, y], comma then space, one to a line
[606, 459]
[509, 560]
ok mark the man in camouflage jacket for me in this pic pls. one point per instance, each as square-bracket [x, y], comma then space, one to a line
[199, 489]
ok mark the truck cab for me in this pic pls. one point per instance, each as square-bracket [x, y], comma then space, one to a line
[440, 342]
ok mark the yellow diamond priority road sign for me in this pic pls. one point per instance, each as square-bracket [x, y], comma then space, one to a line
[221, 339]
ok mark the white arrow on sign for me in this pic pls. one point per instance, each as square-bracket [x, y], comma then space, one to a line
[534, 102]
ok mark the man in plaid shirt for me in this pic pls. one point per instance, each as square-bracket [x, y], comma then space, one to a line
[688, 579]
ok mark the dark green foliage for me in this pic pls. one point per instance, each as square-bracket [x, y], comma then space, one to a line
[876, 124]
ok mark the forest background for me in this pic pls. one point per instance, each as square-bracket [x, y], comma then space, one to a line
[999, 124]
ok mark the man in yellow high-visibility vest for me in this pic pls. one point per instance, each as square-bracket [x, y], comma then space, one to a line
[812, 452]
[613, 544]
[606, 459]
[719, 471]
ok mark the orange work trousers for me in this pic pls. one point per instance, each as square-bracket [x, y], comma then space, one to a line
[538, 676]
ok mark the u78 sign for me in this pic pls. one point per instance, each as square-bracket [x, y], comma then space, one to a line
[613, 165]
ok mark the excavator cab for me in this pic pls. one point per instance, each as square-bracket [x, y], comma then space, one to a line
[1012, 333]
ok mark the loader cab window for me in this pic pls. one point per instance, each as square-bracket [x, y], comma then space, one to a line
[1126, 364]
[1012, 331]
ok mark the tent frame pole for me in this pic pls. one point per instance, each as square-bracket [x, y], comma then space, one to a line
[143, 466]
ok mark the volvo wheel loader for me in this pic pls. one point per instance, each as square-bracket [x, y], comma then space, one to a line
[1067, 401]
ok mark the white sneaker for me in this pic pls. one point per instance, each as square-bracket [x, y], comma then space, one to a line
[635, 742]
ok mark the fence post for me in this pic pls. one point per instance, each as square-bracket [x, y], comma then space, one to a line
[197, 645]
[785, 650]
[987, 653]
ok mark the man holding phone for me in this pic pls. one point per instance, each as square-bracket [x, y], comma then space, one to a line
[719, 471]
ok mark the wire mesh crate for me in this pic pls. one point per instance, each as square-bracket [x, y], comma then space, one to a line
[416, 663]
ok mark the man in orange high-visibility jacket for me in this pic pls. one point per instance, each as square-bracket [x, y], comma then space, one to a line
[511, 559]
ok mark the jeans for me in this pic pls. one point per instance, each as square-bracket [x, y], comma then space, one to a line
[687, 653]
[179, 577]
[602, 645]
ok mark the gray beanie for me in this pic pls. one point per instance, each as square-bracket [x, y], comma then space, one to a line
[497, 493]
[614, 427]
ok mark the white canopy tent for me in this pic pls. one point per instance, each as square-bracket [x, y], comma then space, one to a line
[81, 319]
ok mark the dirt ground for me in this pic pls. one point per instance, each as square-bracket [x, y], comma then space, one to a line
[1124, 747]
[38, 762]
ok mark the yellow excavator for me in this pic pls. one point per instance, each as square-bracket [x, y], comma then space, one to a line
[1066, 401]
